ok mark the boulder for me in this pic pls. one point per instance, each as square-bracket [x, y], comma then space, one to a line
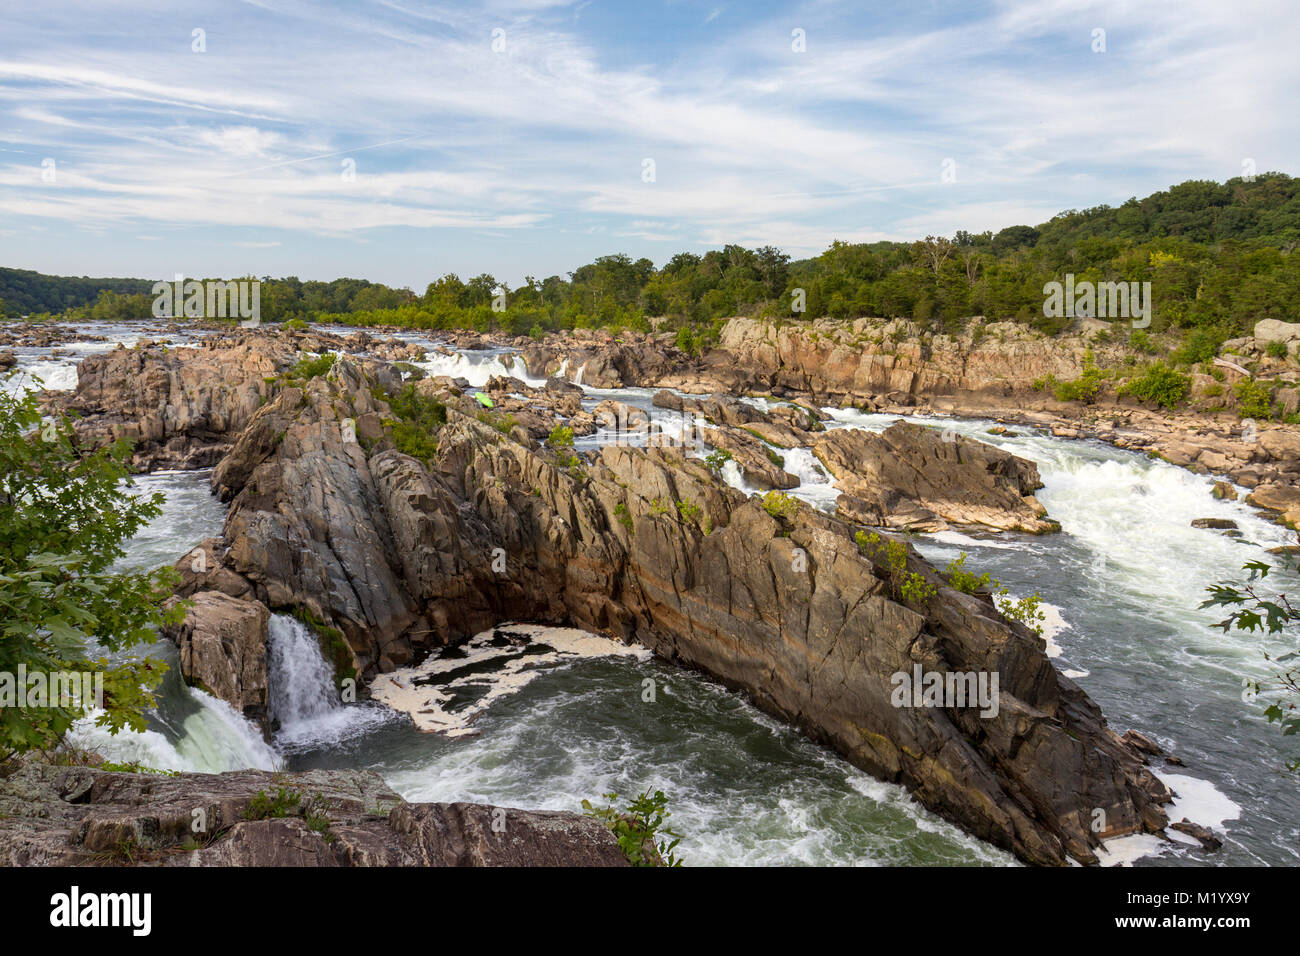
[1275, 497]
[933, 479]
[222, 643]
[759, 465]
[1280, 444]
[1275, 330]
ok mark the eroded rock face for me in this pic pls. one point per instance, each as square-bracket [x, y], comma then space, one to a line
[222, 643]
[917, 478]
[401, 556]
[78, 816]
[648, 545]
[181, 407]
[856, 362]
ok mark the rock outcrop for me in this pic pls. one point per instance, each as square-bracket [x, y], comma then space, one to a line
[180, 407]
[402, 554]
[85, 816]
[910, 477]
[648, 545]
[222, 643]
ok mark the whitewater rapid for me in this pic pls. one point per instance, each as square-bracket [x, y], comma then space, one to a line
[1121, 583]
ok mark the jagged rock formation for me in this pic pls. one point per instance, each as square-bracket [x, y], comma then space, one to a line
[860, 362]
[79, 816]
[222, 643]
[649, 545]
[181, 407]
[910, 477]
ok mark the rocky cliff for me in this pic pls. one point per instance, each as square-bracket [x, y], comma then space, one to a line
[402, 555]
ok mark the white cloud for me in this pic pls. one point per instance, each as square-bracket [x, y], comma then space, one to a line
[752, 142]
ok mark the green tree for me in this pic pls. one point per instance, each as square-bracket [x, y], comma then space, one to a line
[64, 517]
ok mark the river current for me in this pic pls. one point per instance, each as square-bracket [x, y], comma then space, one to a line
[1121, 585]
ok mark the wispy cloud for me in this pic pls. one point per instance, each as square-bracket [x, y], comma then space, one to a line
[398, 139]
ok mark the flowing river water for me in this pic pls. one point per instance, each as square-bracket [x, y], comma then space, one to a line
[1121, 584]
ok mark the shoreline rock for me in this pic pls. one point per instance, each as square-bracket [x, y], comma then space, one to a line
[86, 816]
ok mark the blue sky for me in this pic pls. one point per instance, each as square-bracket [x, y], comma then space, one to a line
[529, 158]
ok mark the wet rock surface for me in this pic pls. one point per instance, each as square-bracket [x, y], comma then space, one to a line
[403, 555]
[910, 477]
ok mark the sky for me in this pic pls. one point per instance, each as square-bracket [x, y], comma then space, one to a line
[398, 140]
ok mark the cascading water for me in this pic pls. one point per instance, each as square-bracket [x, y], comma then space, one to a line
[302, 687]
[1123, 578]
[478, 367]
[189, 729]
[306, 708]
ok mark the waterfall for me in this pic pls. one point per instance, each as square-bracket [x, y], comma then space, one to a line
[302, 685]
[304, 702]
[476, 368]
[191, 731]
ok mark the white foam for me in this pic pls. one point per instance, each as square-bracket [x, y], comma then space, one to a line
[1199, 801]
[430, 704]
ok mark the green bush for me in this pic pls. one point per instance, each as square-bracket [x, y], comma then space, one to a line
[1082, 389]
[1200, 346]
[916, 591]
[309, 368]
[420, 417]
[639, 827]
[965, 581]
[1140, 341]
[1026, 610]
[561, 440]
[686, 340]
[716, 459]
[780, 505]
[1254, 399]
[1161, 384]
[264, 806]
[1276, 349]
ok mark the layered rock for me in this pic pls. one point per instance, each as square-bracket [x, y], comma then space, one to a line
[180, 407]
[222, 644]
[648, 545]
[866, 361]
[80, 816]
[910, 477]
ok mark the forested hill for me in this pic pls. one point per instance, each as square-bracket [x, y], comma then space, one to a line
[25, 292]
[1219, 256]
[1267, 209]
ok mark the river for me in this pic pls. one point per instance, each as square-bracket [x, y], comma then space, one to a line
[1121, 584]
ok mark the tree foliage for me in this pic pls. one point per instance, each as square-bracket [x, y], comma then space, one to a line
[64, 517]
[1253, 610]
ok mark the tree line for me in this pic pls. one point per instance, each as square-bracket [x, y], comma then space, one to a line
[1219, 257]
